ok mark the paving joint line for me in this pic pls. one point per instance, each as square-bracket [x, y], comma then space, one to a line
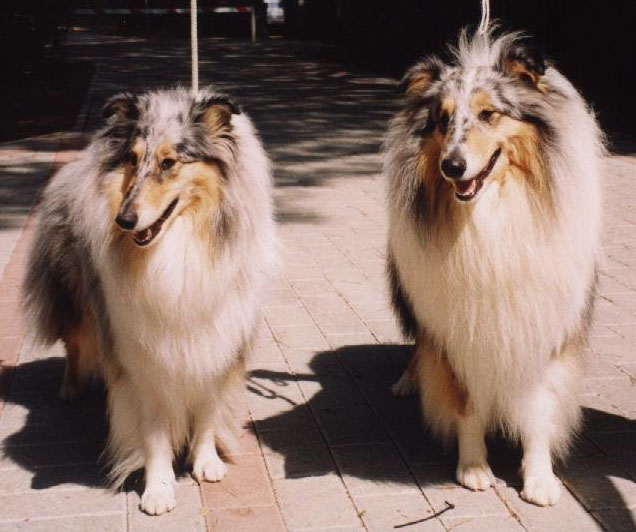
[373, 410]
[315, 417]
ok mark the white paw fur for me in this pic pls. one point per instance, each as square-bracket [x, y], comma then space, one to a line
[542, 490]
[476, 477]
[158, 499]
[209, 467]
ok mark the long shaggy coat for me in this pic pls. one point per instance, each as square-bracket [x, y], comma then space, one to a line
[493, 168]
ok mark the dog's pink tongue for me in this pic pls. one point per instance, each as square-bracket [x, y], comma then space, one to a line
[466, 187]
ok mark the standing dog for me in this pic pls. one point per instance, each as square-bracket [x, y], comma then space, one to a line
[493, 171]
[149, 262]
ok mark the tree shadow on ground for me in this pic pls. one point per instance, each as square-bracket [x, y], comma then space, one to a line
[318, 121]
[25, 166]
[352, 424]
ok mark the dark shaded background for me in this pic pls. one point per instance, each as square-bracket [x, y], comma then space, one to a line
[592, 41]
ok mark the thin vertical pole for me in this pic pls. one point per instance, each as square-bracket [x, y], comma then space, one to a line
[194, 45]
[253, 23]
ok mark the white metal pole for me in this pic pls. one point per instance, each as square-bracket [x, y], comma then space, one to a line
[194, 45]
[253, 23]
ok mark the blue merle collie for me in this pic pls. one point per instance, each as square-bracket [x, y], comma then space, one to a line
[149, 261]
[492, 168]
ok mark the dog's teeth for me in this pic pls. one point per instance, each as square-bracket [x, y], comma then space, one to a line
[466, 187]
[143, 236]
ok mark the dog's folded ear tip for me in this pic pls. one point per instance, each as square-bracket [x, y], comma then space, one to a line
[122, 104]
[421, 75]
[525, 61]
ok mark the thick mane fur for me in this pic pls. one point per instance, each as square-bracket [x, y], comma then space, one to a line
[567, 136]
[493, 170]
[502, 283]
[172, 322]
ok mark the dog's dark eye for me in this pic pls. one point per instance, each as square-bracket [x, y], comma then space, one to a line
[167, 163]
[443, 123]
[486, 115]
[132, 158]
[425, 130]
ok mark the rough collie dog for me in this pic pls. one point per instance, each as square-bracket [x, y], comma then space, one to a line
[493, 170]
[149, 261]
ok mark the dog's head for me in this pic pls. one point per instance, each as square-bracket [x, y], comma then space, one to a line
[478, 115]
[169, 152]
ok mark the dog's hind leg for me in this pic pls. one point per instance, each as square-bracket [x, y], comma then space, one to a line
[81, 359]
[407, 384]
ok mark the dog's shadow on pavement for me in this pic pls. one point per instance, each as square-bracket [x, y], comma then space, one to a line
[351, 424]
[58, 442]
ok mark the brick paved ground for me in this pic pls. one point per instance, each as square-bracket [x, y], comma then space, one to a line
[325, 446]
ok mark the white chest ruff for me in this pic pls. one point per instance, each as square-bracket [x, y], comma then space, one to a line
[500, 300]
[181, 314]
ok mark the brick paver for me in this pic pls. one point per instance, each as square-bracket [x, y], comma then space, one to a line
[325, 445]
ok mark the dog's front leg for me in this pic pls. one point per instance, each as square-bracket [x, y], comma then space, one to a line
[539, 421]
[206, 463]
[540, 485]
[158, 496]
[473, 470]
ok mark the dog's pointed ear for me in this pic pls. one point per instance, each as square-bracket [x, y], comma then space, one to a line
[122, 105]
[420, 77]
[214, 111]
[525, 62]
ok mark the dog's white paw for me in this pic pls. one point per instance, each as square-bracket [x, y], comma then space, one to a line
[209, 468]
[476, 477]
[542, 490]
[404, 386]
[158, 499]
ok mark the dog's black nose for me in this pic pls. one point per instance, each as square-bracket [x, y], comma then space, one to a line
[126, 220]
[454, 166]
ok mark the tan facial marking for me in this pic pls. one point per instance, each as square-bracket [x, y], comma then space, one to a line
[480, 101]
[484, 137]
[482, 142]
[113, 188]
[153, 194]
[205, 185]
[139, 149]
[438, 192]
[521, 149]
[427, 160]
[166, 151]
[448, 106]
[204, 198]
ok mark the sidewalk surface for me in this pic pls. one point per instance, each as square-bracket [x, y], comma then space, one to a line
[325, 446]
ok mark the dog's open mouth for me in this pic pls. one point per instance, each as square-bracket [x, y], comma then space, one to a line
[466, 190]
[147, 235]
